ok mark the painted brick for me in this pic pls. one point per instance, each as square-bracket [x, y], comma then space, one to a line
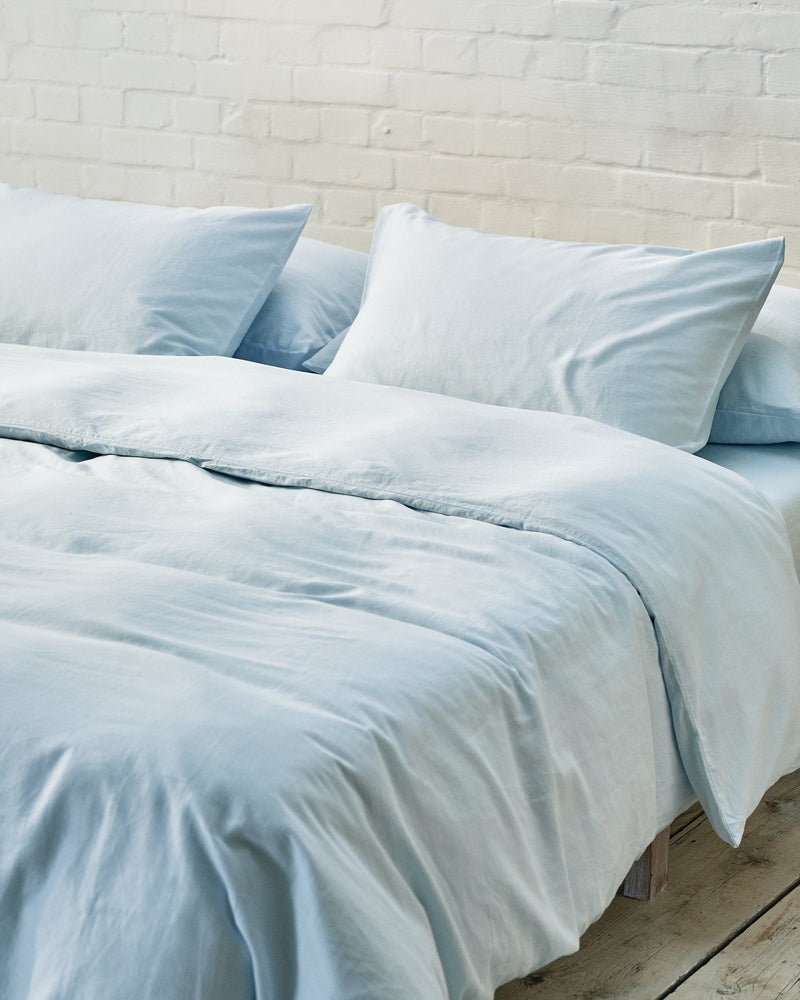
[397, 130]
[55, 139]
[295, 124]
[732, 72]
[255, 9]
[449, 174]
[198, 115]
[14, 170]
[447, 134]
[447, 93]
[60, 176]
[341, 85]
[670, 193]
[561, 60]
[140, 147]
[458, 210]
[153, 187]
[450, 53]
[444, 15]
[646, 66]
[103, 180]
[589, 19]
[100, 31]
[670, 149]
[779, 160]
[730, 231]
[147, 33]
[243, 81]
[101, 106]
[532, 18]
[344, 126]
[574, 185]
[348, 46]
[614, 146]
[142, 71]
[344, 207]
[14, 26]
[148, 110]
[757, 202]
[496, 137]
[55, 65]
[731, 157]
[783, 73]
[325, 164]
[58, 103]
[672, 122]
[54, 28]
[369, 13]
[396, 48]
[249, 121]
[514, 218]
[499, 55]
[17, 100]
[241, 156]
[196, 37]
[680, 22]
[240, 191]
[282, 44]
[199, 190]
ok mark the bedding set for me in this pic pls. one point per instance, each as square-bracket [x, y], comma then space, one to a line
[371, 684]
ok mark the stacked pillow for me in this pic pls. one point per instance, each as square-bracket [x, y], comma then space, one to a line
[666, 343]
[639, 337]
[315, 299]
[760, 402]
[92, 275]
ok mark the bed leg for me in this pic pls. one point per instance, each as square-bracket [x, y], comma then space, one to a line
[648, 875]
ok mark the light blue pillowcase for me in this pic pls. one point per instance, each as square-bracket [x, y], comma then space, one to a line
[760, 401]
[321, 361]
[316, 296]
[639, 337]
[85, 274]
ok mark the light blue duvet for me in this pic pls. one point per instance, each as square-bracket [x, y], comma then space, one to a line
[313, 690]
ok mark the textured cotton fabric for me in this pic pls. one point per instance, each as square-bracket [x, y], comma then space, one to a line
[92, 275]
[313, 688]
[316, 296]
[639, 337]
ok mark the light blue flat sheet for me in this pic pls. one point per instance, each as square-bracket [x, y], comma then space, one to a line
[382, 728]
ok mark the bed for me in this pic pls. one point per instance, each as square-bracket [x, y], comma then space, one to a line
[340, 686]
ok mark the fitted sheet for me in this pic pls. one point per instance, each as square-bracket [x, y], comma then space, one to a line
[774, 469]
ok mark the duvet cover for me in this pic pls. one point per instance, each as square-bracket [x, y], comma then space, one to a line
[313, 689]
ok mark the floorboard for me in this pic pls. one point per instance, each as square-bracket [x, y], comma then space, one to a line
[720, 903]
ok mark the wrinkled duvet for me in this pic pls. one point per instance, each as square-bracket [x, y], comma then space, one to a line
[327, 691]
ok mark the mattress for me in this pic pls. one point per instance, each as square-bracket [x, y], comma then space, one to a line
[774, 469]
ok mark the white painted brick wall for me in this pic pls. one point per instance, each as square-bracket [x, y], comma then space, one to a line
[610, 120]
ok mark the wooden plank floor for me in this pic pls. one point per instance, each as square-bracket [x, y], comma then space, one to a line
[728, 923]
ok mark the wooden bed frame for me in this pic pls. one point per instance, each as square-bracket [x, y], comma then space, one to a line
[648, 875]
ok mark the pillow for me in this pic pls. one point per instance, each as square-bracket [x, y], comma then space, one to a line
[639, 337]
[320, 361]
[760, 402]
[317, 296]
[113, 276]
